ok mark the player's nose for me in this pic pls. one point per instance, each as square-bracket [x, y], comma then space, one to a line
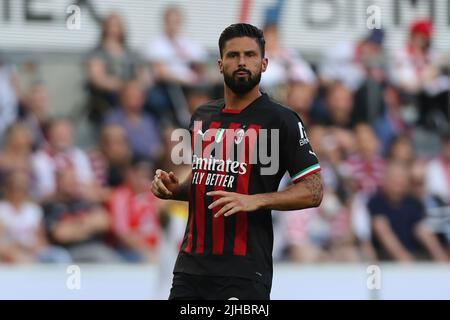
[242, 62]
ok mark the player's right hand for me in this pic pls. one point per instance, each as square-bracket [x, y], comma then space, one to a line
[164, 184]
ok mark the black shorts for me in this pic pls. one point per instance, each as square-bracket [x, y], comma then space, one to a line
[195, 287]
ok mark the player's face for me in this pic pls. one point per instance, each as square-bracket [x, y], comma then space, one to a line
[242, 64]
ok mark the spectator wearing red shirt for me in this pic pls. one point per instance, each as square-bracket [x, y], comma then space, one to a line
[134, 214]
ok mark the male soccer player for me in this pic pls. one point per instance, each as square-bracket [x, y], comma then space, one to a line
[227, 248]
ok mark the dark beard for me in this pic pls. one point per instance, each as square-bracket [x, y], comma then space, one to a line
[241, 86]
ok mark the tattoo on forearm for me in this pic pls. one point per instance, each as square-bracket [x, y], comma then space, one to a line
[314, 184]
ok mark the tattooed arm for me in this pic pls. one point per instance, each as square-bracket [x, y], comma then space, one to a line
[307, 193]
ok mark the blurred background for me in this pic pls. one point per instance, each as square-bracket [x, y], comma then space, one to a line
[90, 92]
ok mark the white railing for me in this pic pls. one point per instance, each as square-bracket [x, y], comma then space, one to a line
[291, 282]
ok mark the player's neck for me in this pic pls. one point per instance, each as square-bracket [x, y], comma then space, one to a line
[239, 102]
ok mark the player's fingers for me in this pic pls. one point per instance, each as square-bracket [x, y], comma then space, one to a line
[154, 190]
[218, 193]
[173, 177]
[225, 209]
[233, 211]
[162, 188]
[219, 202]
[161, 174]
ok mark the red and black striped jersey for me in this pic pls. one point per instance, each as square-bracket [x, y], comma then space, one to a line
[247, 152]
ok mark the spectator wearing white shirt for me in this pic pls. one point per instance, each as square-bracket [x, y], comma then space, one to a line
[285, 64]
[415, 69]
[177, 62]
[60, 153]
[23, 239]
[175, 57]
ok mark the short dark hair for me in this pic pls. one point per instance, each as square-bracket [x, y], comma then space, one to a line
[238, 30]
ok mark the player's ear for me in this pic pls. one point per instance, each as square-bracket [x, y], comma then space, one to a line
[265, 62]
[220, 63]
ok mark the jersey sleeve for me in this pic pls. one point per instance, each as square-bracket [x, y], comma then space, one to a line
[297, 155]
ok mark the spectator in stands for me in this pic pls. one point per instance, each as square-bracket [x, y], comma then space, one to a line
[16, 154]
[175, 58]
[320, 234]
[300, 97]
[134, 214]
[437, 211]
[61, 153]
[9, 92]
[347, 235]
[196, 96]
[415, 70]
[398, 220]
[337, 116]
[364, 169]
[398, 117]
[77, 224]
[412, 64]
[176, 61]
[109, 66]
[437, 179]
[110, 157]
[22, 238]
[365, 166]
[285, 64]
[353, 63]
[141, 129]
[339, 107]
[35, 112]
[401, 150]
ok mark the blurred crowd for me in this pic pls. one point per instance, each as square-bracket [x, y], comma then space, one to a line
[378, 120]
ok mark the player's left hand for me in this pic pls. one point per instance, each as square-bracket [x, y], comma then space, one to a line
[232, 202]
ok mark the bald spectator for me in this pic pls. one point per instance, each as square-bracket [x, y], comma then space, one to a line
[398, 220]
